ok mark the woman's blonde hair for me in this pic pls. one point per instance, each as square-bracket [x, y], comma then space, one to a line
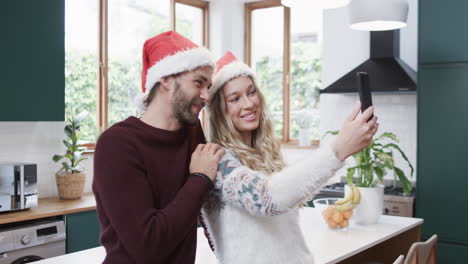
[264, 154]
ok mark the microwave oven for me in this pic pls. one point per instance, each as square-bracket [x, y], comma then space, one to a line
[18, 186]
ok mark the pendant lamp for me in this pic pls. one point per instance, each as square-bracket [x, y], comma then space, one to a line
[325, 4]
[378, 15]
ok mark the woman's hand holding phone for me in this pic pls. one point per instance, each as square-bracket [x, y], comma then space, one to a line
[356, 133]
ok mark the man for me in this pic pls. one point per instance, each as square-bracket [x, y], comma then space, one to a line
[149, 187]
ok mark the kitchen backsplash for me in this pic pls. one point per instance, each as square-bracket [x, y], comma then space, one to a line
[396, 112]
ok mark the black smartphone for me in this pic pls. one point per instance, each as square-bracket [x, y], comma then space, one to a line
[364, 91]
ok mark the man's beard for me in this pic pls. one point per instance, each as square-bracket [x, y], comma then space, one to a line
[182, 106]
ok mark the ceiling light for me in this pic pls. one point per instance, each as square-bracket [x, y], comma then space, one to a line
[325, 4]
[378, 15]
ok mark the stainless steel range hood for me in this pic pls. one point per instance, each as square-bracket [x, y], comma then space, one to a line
[387, 72]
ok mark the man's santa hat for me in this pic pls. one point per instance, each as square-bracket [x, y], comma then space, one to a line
[229, 67]
[166, 54]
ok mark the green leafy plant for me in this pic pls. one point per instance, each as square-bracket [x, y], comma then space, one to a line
[374, 161]
[73, 142]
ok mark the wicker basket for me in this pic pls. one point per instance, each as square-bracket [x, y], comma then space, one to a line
[70, 186]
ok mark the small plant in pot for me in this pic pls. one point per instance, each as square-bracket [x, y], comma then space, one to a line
[70, 178]
[367, 175]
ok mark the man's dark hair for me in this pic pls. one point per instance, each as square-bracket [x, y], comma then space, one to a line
[152, 93]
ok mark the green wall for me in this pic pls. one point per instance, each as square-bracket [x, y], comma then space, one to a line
[32, 60]
[442, 154]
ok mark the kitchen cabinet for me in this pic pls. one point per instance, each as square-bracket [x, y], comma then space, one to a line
[442, 31]
[33, 60]
[449, 253]
[442, 152]
[82, 231]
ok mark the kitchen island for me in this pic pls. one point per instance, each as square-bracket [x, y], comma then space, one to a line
[383, 242]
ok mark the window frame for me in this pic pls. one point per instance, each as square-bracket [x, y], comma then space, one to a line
[286, 78]
[102, 67]
[249, 8]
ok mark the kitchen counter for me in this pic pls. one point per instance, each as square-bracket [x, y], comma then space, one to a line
[51, 207]
[391, 236]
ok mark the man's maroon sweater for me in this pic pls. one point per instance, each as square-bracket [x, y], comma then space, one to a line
[147, 203]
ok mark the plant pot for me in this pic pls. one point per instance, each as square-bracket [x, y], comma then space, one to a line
[70, 186]
[370, 208]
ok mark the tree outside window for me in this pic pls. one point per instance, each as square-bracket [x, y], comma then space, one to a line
[284, 48]
[129, 24]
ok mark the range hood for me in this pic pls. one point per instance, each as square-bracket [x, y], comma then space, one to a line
[387, 72]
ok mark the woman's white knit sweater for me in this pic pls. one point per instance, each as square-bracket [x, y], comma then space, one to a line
[254, 218]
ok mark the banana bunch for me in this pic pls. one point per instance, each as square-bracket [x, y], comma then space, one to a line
[352, 199]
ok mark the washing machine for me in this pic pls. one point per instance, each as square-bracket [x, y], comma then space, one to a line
[32, 242]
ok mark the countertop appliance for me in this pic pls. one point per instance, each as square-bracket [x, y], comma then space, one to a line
[18, 186]
[33, 241]
[395, 202]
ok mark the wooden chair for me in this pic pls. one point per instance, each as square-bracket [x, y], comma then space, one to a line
[399, 260]
[422, 252]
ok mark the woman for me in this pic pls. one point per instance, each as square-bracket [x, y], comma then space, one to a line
[251, 216]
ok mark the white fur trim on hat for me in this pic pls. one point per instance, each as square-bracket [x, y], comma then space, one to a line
[229, 72]
[182, 61]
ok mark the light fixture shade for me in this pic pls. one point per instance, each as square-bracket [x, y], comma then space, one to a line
[324, 4]
[378, 15]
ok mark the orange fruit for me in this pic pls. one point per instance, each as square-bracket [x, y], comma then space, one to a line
[337, 216]
[347, 214]
[344, 223]
[332, 224]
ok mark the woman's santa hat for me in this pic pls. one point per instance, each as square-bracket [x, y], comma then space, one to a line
[229, 67]
[166, 54]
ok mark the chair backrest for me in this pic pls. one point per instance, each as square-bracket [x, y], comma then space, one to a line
[423, 252]
[399, 260]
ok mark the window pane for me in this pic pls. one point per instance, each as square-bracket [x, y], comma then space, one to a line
[81, 63]
[189, 22]
[306, 27]
[131, 22]
[267, 60]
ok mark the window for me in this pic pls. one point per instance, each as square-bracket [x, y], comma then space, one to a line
[81, 60]
[130, 23]
[267, 59]
[104, 41]
[283, 46]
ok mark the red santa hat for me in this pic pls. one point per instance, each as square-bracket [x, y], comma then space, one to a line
[229, 67]
[166, 54]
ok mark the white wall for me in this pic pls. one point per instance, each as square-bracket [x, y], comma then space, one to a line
[343, 50]
[409, 37]
[227, 27]
[37, 142]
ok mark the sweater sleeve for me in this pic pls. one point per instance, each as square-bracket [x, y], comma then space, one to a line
[148, 234]
[262, 194]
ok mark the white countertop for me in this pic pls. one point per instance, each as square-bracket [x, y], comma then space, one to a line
[328, 246]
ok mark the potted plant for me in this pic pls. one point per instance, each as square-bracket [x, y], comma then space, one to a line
[70, 178]
[367, 175]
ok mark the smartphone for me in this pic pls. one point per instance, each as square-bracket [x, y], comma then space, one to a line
[364, 91]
